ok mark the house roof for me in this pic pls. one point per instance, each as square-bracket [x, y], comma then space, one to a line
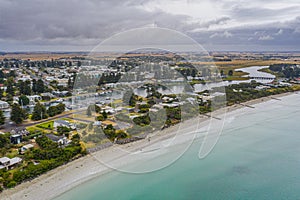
[19, 131]
[4, 159]
[15, 160]
[28, 146]
[54, 138]
[64, 122]
[4, 103]
[16, 136]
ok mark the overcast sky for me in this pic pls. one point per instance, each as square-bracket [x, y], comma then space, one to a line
[77, 25]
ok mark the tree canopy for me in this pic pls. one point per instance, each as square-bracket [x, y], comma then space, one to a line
[18, 115]
[39, 112]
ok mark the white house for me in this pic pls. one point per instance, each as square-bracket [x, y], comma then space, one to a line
[4, 105]
[26, 147]
[62, 140]
[9, 163]
[60, 122]
[34, 98]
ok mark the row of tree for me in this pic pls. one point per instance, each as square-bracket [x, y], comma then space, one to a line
[40, 111]
[18, 114]
[286, 70]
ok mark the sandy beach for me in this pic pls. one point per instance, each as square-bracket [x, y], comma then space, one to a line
[66, 177]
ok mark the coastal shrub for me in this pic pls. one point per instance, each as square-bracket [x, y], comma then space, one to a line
[81, 125]
[100, 118]
[90, 126]
[135, 129]
[142, 120]
[123, 117]
[11, 184]
[110, 132]
[95, 138]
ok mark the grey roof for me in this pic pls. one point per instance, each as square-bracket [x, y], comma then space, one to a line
[3, 102]
[28, 146]
[64, 122]
[4, 159]
[15, 160]
[54, 138]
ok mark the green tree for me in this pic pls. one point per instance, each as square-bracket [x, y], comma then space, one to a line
[27, 87]
[52, 111]
[34, 86]
[100, 118]
[222, 72]
[11, 184]
[110, 132]
[2, 118]
[40, 87]
[230, 73]
[18, 115]
[4, 140]
[39, 112]
[63, 130]
[20, 85]
[97, 109]
[104, 114]
[10, 86]
[1, 93]
[55, 110]
[89, 111]
[12, 73]
[23, 100]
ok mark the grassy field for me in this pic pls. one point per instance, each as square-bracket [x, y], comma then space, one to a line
[46, 125]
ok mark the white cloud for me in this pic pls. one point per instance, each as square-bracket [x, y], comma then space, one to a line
[265, 37]
[224, 34]
[280, 32]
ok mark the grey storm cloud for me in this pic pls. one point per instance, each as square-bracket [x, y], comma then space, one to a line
[273, 35]
[38, 24]
[35, 20]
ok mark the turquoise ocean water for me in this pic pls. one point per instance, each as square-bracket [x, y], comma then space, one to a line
[257, 157]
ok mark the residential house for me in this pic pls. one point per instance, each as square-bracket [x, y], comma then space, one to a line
[16, 139]
[61, 140]
[60, 122]
[26, 147]
[33, 99]
[4, 105]
[8, 163]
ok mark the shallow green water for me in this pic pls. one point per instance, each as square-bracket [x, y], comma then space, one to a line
[257, 157]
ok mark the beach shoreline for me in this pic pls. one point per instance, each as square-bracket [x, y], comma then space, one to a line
[66, 177]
